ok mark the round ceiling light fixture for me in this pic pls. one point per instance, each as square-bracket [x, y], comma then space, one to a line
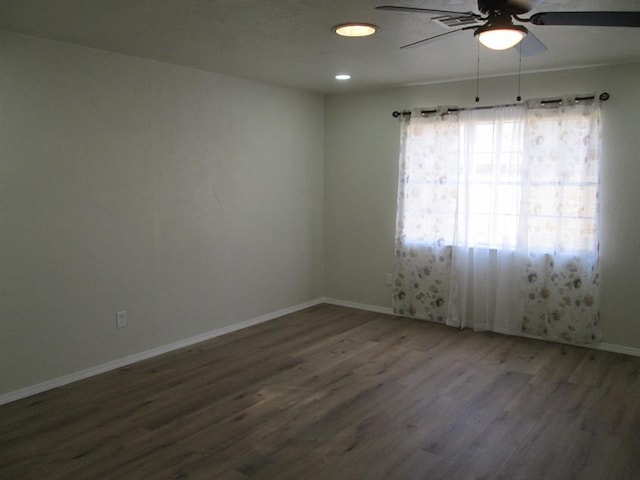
[355, 29]
[343, 76]
[501, 39]
[500, 34]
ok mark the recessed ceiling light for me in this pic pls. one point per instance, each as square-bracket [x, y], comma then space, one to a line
[343, 76]
[355, 29]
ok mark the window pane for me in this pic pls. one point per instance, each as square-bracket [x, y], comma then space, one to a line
[474, 178]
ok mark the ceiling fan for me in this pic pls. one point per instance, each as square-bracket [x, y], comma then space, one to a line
[495, 29]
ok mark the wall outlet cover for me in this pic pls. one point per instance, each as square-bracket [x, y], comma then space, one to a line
[121, 319]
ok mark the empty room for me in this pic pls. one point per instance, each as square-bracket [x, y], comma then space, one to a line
[337, 239]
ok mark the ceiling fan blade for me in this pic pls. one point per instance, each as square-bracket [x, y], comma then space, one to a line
[435, 38]
[588, 19]
[393, 8]
[530, 45]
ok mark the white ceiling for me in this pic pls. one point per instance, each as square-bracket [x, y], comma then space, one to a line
[290, 42]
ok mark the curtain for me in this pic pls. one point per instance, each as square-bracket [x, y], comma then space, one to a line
[497, 220]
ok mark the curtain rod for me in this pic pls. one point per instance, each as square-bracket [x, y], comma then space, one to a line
[603, 97]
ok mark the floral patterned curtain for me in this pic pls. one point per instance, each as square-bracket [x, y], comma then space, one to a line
[497, 220]
[562, 158]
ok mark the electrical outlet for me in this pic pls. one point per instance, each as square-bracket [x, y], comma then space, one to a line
[388, 279]
[121, 319]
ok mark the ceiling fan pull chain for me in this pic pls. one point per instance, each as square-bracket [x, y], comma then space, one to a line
[519, 98]
[478, 75]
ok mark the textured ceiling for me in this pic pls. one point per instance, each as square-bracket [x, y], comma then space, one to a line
[289, 42]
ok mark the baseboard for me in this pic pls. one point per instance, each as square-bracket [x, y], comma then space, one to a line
[607, 347]
[122, 362]
[358, 306]
[610, 347]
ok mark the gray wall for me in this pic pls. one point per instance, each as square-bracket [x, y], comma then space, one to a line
[361, 157]
[193, 201]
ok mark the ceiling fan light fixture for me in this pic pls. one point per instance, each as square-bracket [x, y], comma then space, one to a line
[355, 29]
[501, 37]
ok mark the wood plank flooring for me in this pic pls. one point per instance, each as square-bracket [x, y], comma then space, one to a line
[335, 393]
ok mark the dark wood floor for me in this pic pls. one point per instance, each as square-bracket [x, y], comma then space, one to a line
[335, 393]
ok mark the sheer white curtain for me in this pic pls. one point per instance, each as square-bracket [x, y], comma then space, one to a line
[497, 220]
[486, 257]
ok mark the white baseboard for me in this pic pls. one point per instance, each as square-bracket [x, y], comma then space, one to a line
[610, 347]
[122, 362]
[359, 306]
[607, 347]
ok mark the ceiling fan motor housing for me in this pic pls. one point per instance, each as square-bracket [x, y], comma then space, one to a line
[509, 7]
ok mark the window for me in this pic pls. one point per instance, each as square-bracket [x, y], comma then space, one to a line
[500, 179]
[497, 220]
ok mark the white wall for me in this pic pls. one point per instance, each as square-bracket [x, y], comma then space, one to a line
[191, 200]
[361, 157]
[195, 201]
